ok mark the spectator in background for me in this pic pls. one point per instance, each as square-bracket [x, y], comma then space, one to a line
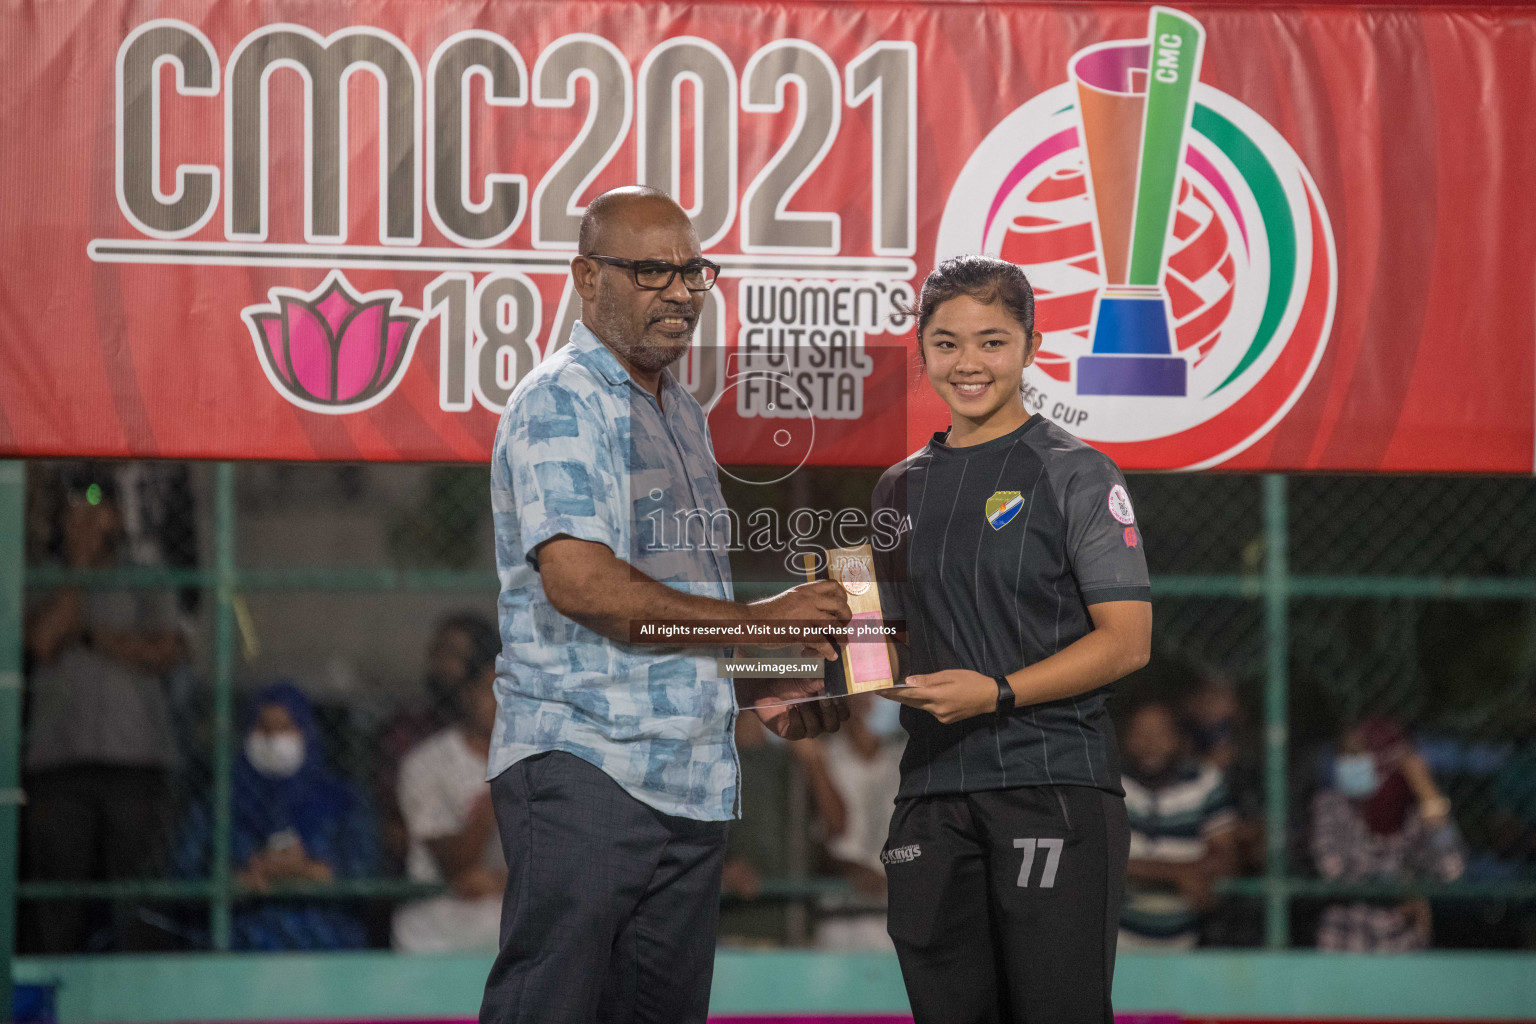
[446, 804]
[293, 821]
[1224, 736]
[757, 844]
[463, 645]
[862, 762]
[1381, 819]
[1212, 712]
[1182, 833]
[1512, 792]
[460, 642]
[100, 747]
[159, 518]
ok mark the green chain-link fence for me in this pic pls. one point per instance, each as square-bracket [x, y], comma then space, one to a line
[1315, 600]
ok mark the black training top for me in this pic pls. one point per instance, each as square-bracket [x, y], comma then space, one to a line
[1001, 548]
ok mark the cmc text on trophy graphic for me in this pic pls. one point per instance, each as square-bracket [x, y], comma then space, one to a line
[1135, 97]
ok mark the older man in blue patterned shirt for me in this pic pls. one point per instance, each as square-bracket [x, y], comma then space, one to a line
[612, 764]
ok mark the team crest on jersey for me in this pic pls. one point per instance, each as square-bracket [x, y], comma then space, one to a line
[1002, 507]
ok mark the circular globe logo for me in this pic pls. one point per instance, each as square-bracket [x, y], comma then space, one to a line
[1183, 264]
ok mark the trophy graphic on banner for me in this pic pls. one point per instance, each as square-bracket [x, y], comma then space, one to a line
[1135, 97]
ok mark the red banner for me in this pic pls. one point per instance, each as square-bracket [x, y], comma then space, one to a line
[1262, 238]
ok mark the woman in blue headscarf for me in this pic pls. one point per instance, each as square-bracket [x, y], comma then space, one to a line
[293, 821]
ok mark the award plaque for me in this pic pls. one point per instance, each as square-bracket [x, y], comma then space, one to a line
[862, 665]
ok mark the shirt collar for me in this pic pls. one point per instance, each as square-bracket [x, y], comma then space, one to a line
[939, 445]
[591, 351]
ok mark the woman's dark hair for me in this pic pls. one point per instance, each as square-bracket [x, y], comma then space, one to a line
[986, 279]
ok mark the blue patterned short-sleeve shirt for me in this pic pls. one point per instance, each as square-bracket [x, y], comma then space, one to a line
[584, 451]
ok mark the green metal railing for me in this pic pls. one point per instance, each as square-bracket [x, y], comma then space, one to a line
[1277, 622]
[1273, 585]
[13, 484]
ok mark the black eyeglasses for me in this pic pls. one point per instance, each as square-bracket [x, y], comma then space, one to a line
[656, 275]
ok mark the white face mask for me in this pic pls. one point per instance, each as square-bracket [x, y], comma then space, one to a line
[1355, 775]
[277, 755]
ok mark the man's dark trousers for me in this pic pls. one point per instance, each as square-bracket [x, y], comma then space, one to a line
[611, 906]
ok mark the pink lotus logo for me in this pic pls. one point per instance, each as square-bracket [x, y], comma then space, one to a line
[333, 351]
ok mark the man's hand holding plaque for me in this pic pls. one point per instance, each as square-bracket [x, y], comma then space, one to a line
[857, 648]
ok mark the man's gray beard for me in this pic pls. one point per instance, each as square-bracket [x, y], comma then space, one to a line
[653, 359]
[646, 358]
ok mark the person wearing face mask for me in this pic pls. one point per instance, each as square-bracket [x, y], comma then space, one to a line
[294, 821]
[1381, 819]
[1183, 833]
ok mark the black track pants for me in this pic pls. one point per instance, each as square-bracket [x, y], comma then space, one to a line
[1004, 905]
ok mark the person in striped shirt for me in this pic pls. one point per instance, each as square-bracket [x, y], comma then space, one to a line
[1183, 833]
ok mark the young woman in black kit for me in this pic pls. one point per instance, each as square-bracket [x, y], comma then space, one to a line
[1019, 571]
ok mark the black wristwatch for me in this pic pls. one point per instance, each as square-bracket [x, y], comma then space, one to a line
[1005, 695]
